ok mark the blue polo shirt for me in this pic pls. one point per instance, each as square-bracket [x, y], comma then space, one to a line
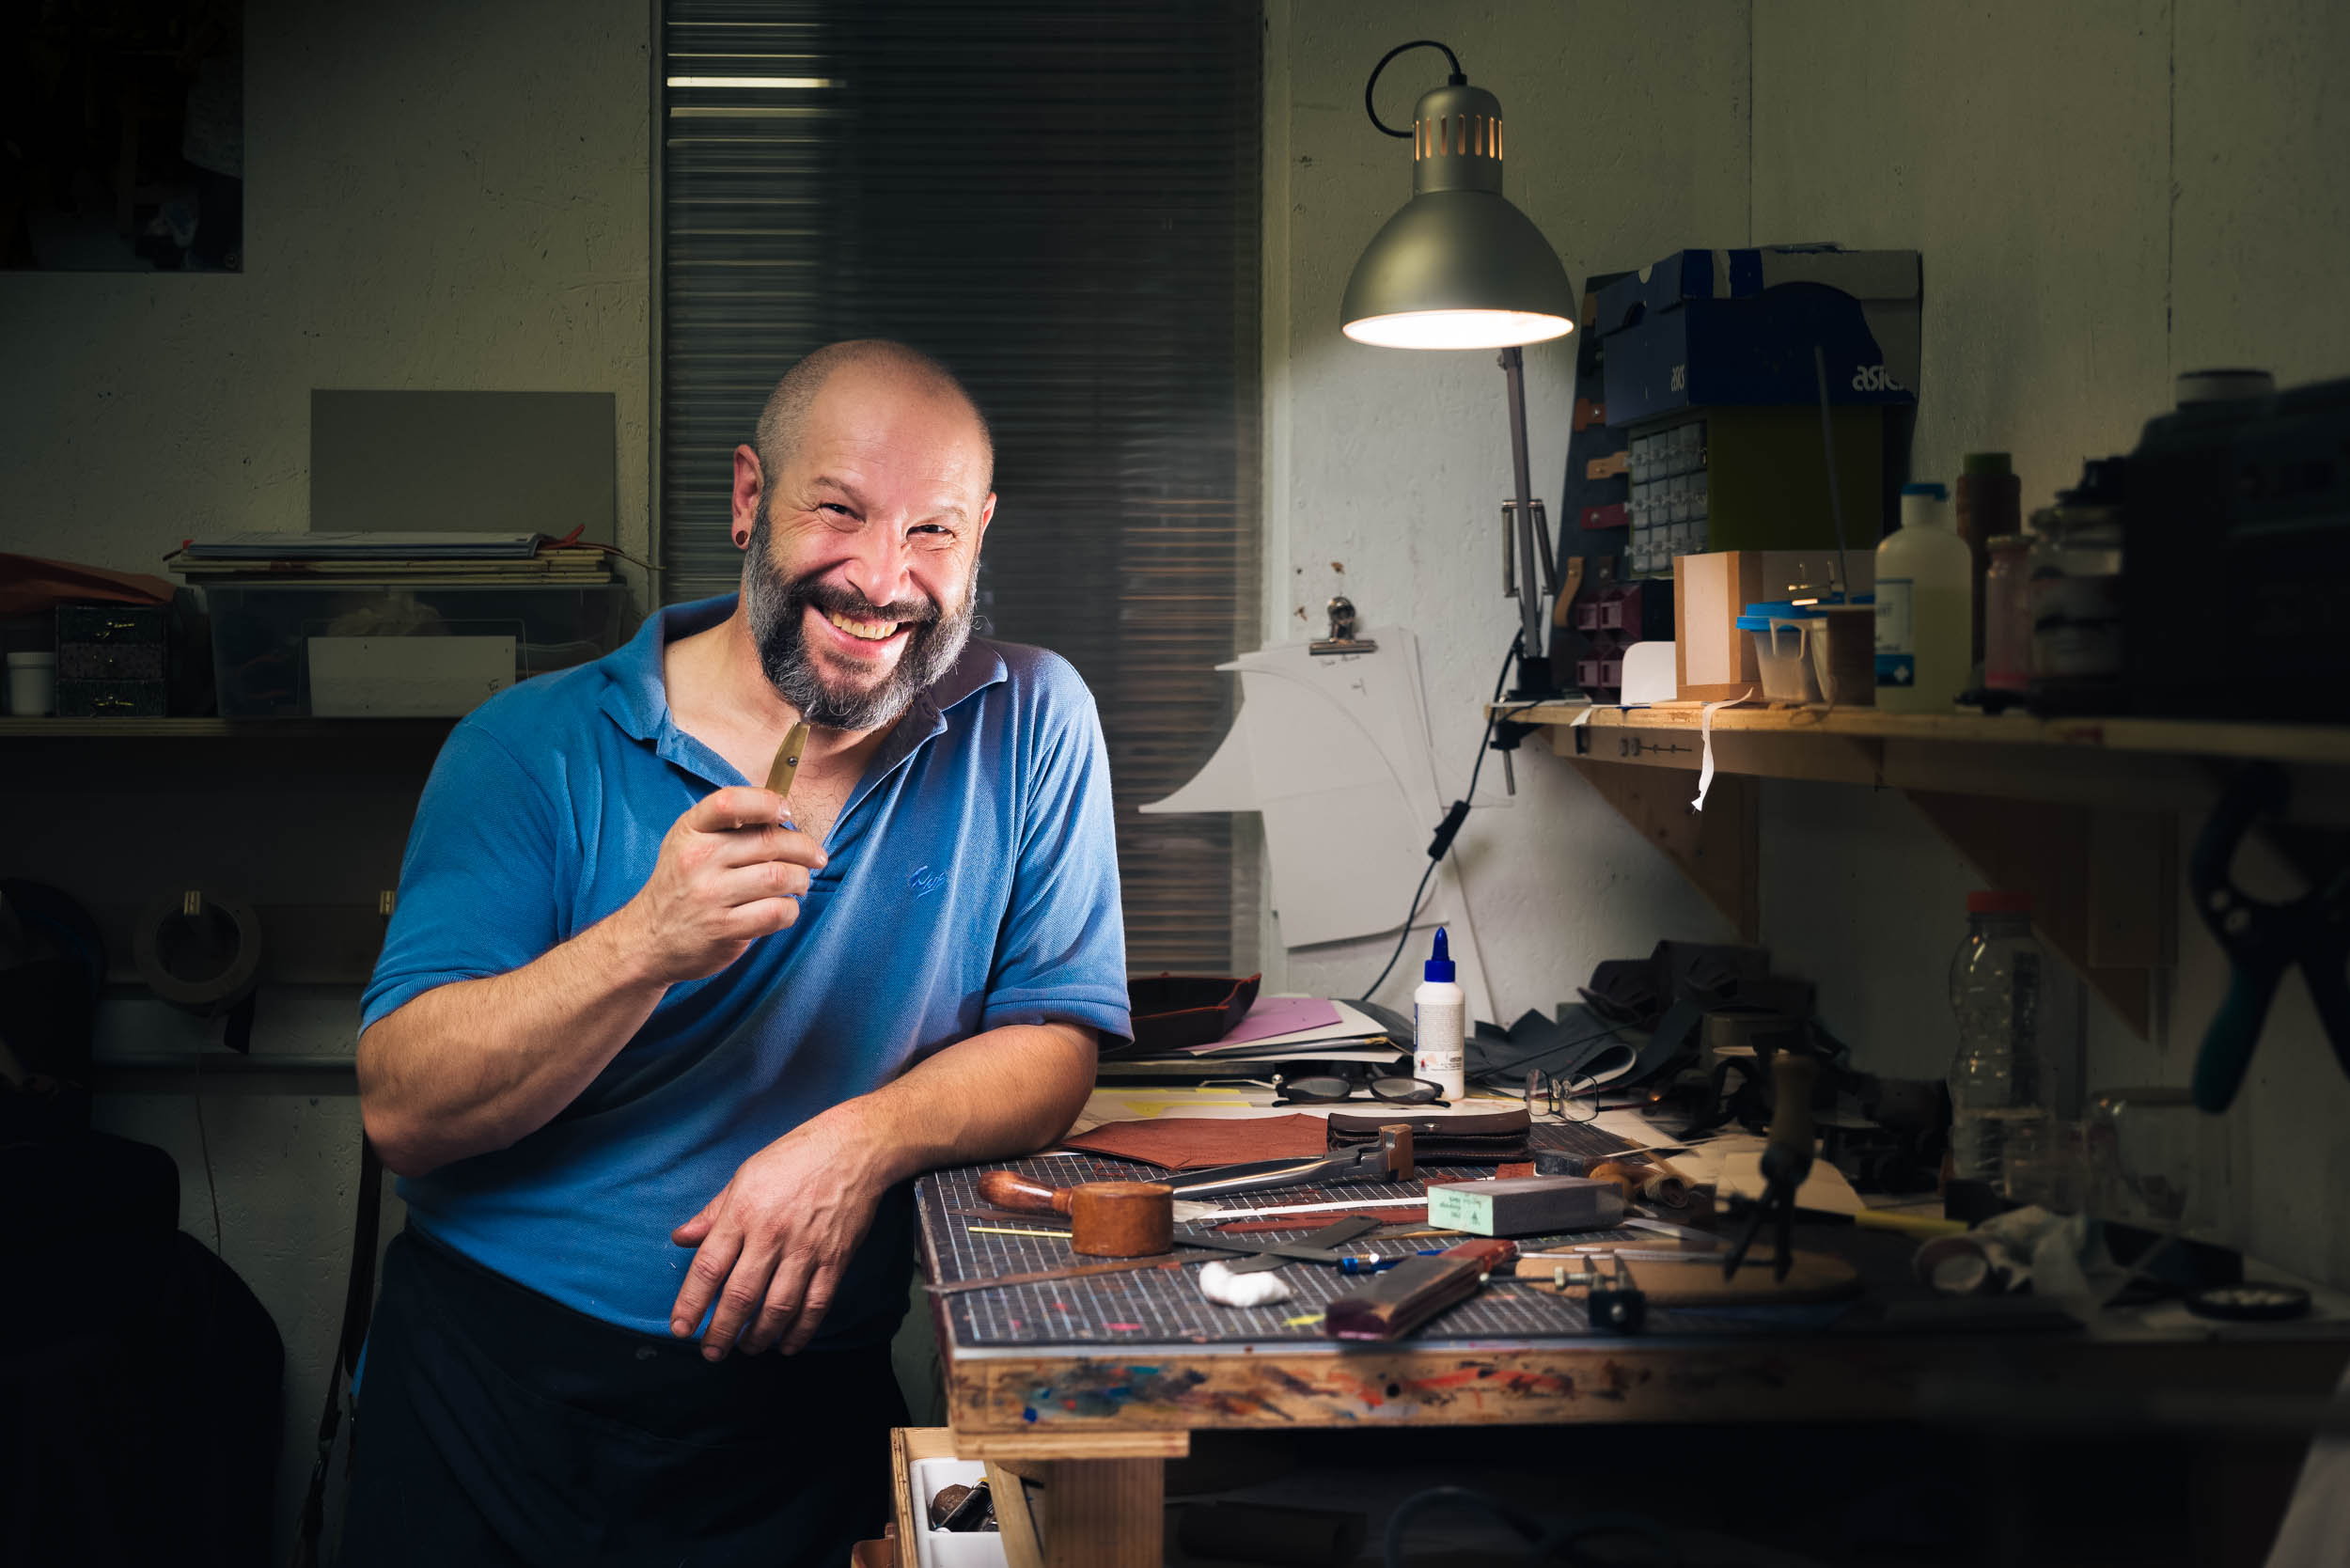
[972, 884]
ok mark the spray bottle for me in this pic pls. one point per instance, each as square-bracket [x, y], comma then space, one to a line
[1440, 1023]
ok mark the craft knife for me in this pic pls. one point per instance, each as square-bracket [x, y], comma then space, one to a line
[786, 767]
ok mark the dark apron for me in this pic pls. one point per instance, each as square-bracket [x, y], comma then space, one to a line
[499, 1426]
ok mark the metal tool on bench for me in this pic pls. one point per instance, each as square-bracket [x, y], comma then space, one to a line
[1389, 1160]
[1786, 1161]
[2263, 940]
[1316, 1249]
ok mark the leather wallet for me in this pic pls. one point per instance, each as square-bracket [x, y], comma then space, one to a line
[1487, 1138]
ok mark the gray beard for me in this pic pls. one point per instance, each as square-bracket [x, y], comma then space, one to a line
[935, 640]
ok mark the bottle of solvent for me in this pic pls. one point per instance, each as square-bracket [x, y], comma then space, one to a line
[1440, 1023]
[1925, 616]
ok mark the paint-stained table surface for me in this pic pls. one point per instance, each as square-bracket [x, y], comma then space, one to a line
[1087, 1384]
[1114, 1358]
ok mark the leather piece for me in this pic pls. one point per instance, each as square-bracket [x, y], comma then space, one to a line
[1202, 1142]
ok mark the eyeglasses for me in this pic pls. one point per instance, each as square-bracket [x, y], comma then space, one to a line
[1329, 1089]
[1568, 1097]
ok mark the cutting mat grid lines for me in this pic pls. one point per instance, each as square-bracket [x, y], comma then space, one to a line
[1164, 1305]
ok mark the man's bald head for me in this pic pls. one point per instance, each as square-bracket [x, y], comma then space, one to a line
[784, 418]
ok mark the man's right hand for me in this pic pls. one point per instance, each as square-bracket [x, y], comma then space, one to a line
[728, 873]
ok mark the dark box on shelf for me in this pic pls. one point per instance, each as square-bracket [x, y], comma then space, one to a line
[113, 661]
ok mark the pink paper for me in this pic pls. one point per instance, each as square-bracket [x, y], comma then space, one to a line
[1272, 1015]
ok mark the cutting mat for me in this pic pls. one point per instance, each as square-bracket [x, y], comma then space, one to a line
[1164, 1306]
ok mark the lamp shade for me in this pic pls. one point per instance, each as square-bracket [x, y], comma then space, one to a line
[1458, 267]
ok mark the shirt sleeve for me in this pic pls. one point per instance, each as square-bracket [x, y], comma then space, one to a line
[478, 884]
[1060, 956]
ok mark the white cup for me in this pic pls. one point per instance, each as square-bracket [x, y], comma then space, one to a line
[32, 685]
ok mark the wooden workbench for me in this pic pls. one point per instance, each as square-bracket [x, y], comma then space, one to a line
[1095, 1409]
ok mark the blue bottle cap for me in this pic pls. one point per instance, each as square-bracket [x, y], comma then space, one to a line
[1937, 491]
[1438, 969]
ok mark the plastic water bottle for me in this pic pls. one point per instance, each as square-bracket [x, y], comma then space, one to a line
[1994, 995]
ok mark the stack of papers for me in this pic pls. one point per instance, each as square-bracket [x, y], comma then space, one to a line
[1275, 1029]
[1286, 1026]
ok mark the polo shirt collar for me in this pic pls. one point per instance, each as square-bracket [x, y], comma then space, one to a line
[638, 698]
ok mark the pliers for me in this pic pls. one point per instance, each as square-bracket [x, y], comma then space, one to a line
[1389, 1160]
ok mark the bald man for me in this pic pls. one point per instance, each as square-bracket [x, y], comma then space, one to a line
[657, 1053]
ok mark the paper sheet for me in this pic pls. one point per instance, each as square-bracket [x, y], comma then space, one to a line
[1269, 1016]
[1333, 752]
[1740, 1175]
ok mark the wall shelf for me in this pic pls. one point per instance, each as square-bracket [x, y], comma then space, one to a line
[433, 729]
[2083, 813]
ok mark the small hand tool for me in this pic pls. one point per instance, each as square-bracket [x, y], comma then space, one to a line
[1389, 1160]
[1610, 1298]
[1786, 1161]
[786, 767]
[2263, 940]
[1329, 1236]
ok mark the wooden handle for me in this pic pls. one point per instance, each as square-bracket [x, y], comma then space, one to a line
[1022, 1195]
[1395, 1142]
[1663, 1187]
[1122, 1219]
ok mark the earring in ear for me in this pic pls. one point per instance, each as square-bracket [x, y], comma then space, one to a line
[742, 539]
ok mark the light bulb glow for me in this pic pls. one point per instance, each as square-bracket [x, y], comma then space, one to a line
[1458, 329]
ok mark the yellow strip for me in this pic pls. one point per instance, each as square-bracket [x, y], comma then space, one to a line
[1908, 1224]
[1007, 1231]
[1309, 1317]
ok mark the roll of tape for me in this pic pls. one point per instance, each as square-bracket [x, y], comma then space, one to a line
[197, 951]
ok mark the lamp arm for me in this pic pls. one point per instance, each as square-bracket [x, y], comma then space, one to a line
[1371, 109]
[1534, 676]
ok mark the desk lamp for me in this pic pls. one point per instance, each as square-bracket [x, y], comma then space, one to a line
[1460, 268]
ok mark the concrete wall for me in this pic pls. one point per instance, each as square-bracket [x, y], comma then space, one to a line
[440, 195]
[2105, 195]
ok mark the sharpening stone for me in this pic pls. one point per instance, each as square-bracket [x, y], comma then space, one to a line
[1526, 1205]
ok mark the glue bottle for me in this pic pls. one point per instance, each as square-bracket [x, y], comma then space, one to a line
[1439, 1024]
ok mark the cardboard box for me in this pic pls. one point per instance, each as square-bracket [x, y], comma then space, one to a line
[1712, 660]
[1707, 328]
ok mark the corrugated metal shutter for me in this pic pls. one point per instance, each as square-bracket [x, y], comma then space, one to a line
[1061, 200]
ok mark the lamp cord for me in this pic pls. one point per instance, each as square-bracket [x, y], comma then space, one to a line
[1452, 824]
[1373, 110]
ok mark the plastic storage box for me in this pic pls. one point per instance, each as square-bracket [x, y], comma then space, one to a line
[1782, 633]
[946, 1548]
[302, 650]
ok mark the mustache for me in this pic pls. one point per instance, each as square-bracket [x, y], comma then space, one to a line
[838, 600]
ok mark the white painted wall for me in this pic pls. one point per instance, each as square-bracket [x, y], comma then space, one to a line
[442, 196]
[2105, 194]
[1384, 469]
[439, 195]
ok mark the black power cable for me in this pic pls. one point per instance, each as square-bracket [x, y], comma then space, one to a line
[1450, 826]
[1371, 109]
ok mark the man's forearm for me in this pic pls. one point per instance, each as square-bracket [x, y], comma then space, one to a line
[473, 1065]
[1008, 1092]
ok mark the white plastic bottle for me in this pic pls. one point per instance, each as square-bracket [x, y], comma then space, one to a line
[1925, 607]
[1440, 1023]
